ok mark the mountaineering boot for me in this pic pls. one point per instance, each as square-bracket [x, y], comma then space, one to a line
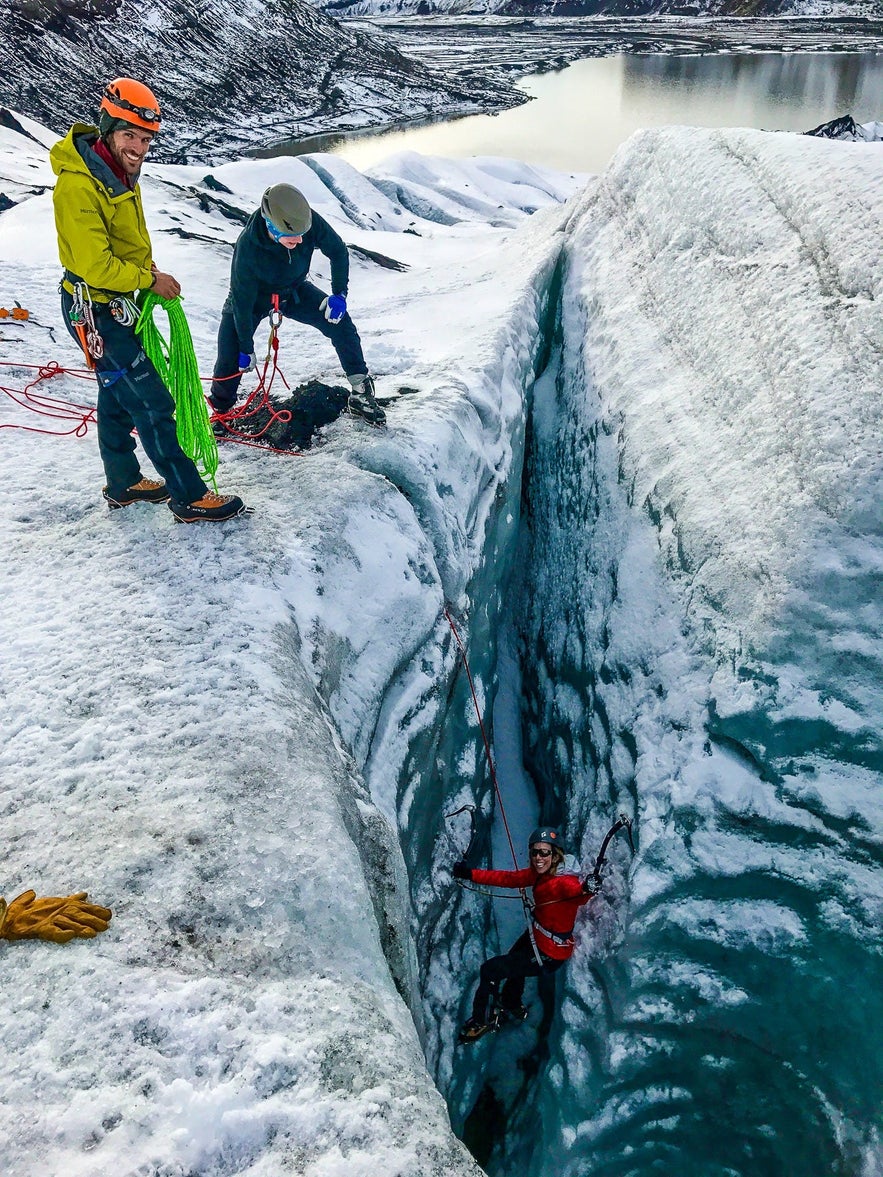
[472, 1030]
[148, 490]
[211, 507]
[517, 1013]
[362, 403]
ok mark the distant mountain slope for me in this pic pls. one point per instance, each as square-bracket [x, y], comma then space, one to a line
[227, 76]
[819, 8]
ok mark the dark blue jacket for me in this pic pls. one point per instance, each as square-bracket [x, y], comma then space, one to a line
[261, 268]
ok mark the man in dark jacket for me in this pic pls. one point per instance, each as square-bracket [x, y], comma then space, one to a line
[272, 256]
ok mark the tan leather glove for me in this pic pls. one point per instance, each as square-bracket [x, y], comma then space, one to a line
[59, 918]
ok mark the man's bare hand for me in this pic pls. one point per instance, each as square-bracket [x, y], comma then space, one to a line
[165, 285]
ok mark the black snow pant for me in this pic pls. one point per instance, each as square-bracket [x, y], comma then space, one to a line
[301, 305]
[131, 396]
[512, 969]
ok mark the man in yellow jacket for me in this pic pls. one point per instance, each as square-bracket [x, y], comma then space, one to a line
[105, 249]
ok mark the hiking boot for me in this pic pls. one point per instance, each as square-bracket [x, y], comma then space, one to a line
[148, 490]
[474, 1029]
[213, 507]
[361, 402]
[517, 1013]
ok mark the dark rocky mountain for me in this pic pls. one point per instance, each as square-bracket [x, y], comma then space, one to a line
[562, 8]
[228, 77]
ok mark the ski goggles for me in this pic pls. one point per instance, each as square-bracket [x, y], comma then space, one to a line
[145, 112]
[280, 234]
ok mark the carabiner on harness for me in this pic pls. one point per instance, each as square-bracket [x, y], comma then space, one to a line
[124, 310]
[82, 317]
[275, 324]
[275, 314]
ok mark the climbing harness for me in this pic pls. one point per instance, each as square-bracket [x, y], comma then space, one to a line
[562, 939]
[175, 361]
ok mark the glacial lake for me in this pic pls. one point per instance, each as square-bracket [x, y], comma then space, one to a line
[581, 114]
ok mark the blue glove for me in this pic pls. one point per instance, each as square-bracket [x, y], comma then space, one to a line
[246, 362]
[334, 307]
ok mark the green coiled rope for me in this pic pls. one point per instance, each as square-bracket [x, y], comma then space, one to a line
[175, 362]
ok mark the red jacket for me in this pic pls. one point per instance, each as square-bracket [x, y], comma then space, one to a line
[557, 899]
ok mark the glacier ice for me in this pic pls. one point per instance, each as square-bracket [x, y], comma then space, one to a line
[706, 497]
[636, 441]
[213, 731]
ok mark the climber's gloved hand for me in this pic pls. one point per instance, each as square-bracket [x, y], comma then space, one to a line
[461, 871]
[58, 918]
[334, 307]
[246, 362]
[591, 885]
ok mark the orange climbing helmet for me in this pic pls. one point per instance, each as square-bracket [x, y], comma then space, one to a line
[133, 102]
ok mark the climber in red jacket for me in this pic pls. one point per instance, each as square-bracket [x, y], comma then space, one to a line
[557, 898]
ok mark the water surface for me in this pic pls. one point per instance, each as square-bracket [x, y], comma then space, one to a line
[580, 115]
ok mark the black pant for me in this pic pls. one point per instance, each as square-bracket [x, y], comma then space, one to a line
[302, 305]
[131, 395]
[513, 968]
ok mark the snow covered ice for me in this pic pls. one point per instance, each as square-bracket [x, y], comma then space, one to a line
[166, 746]
[244, 738]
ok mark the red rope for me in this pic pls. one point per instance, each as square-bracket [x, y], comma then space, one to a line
[85, 415]
[487, 747]
[49, 406]
[259, 398]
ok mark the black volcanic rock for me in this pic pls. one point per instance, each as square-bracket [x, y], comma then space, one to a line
[228, 77]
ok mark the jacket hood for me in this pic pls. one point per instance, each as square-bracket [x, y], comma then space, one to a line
[74, 153]
[259, 237]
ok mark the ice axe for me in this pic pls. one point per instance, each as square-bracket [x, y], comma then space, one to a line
[621, 823]
[470, 809]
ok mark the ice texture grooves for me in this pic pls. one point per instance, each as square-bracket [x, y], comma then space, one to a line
[206, 727]
[704, 633]
[245, 738]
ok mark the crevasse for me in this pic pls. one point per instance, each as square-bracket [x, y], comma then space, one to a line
[644, 451]
[699, 615]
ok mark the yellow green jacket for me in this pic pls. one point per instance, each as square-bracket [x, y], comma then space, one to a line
[102, 234]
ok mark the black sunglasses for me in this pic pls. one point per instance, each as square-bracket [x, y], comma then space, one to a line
[540, 853]
[149, 116]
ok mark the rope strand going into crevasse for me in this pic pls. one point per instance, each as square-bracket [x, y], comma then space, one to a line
[175, 362]
[525, 903]
[487, 746]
